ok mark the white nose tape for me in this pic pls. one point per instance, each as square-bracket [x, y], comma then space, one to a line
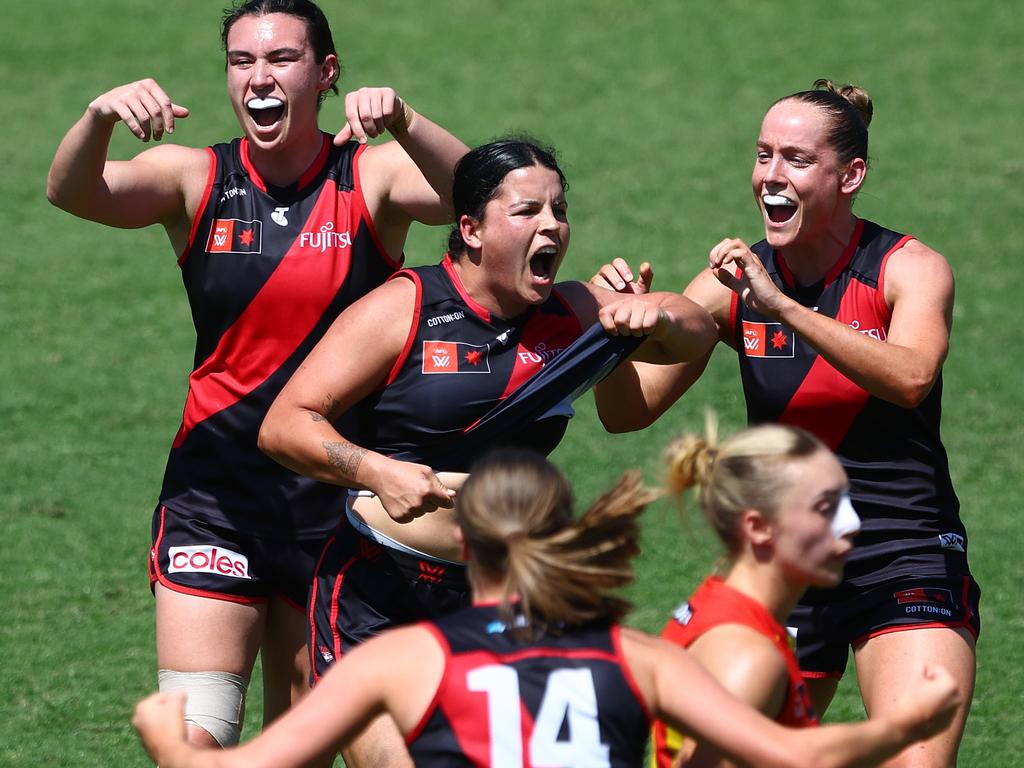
[846, 520]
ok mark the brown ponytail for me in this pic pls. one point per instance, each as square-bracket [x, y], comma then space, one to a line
[515, 511]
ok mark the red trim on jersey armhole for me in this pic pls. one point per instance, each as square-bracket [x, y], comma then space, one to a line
[357, 193]
[883, 307]
[413, 326]
[449, 268]
[734, 309]
[627, 672]
[844, 260]
[318, 162]
[202, 206]
[435, 701]
[243, 157]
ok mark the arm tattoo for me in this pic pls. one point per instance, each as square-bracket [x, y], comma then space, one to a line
[331, 408]
[316, 416]
[345, 456]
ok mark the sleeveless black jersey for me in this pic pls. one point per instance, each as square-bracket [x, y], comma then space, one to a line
[267, 269]
[458, 362]
[898, 470]
[562, 700]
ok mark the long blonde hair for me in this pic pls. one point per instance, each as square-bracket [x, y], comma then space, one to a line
[746, 471]
[516, 515]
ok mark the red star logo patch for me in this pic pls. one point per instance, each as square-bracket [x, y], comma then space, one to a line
[246, 237]
[779, 340]
[473, 357]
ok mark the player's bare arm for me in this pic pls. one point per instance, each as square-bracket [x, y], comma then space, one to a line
[162, 185]
[902, 369]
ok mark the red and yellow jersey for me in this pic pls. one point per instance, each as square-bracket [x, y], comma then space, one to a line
[712, 605]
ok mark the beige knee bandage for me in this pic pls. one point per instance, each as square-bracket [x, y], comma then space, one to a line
[215, 701]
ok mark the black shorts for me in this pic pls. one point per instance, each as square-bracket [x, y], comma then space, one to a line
[362, 588]
[195, 557]
[829, 622]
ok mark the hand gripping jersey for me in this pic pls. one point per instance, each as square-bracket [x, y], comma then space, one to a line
[458, 362]
[267, 269]
[714, 604]
[561, 700]
[898, 470]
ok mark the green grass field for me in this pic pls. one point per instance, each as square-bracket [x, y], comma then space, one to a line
[654, 108]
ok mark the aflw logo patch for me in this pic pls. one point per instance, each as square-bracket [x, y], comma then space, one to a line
[235, 236]
[455, 357]
[767, 340]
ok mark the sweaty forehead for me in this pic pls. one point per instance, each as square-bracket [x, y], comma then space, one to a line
[277, 30]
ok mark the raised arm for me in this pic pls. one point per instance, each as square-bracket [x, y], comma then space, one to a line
[681, 692]
[632, 397]
[159, 186]
[409, 179]
[351, 361]
[902, 369]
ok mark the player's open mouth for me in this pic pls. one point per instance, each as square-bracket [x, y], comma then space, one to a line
[265, 112]
[542, 263]
[778, 208]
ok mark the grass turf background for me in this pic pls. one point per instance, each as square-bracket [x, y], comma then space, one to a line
[654, 109]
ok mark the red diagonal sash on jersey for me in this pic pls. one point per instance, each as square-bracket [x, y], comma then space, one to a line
[826, 403]
[270, 329]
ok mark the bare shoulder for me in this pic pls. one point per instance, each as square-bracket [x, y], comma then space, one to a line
[708, 291]
[186, 168]
[746, 663]
[918, 269]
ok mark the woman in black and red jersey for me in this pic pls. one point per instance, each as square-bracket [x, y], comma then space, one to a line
[842, 327]
[538, 670]
[276, 233]
[382, 403]
[777, 499]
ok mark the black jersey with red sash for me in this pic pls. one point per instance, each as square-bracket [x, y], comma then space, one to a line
[564, 699]
[458, 362]
[267, 269]
[898, 470]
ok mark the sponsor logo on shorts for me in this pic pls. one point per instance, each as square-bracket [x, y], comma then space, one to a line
[455, 357]
[208, 559]
[683, 614]
[235, 236]
[325, 654]
[926, 600]
[431, 572]
[767, 340]
[952, 541]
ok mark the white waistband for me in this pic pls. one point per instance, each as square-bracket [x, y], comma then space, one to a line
[384, 540]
